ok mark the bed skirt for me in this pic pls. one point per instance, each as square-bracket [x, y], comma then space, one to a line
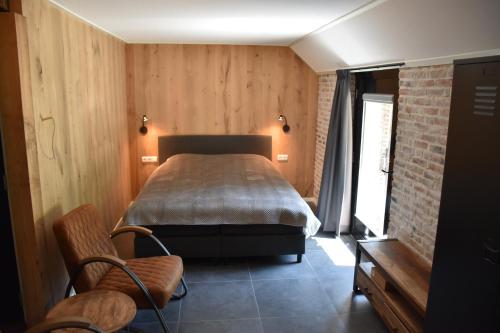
[224, 241]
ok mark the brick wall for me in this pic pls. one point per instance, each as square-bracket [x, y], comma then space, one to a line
[424, 106]
[325, 98]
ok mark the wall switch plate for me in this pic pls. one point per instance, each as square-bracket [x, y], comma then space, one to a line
[282, 157]
[149, 159]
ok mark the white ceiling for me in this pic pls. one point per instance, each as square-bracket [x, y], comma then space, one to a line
[327, 34]
[256, 22]
[405, 30]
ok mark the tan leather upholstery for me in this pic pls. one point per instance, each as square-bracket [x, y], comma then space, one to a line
[81, 234]
[160, 274]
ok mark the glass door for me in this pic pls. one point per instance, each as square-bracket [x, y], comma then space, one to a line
[374, 162]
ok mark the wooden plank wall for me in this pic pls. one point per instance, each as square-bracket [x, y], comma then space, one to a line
[79, 152]
[83, 95]
[16, 115]
[222, 89]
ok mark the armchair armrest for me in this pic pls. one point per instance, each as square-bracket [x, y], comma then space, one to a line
[140, 230]
[131, 228]
[64, 322]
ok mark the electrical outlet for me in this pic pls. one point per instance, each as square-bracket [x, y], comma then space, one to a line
[149, 159]
[282, 157]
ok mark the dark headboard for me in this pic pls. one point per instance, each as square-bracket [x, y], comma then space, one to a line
[214, 144]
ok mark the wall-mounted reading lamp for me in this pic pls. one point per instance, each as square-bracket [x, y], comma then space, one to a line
[143, 129]
[286, 128]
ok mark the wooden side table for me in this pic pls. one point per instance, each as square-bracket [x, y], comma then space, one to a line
[396, 282]
[108, 310]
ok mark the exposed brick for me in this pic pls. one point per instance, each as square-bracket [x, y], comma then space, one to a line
[420, 152]
[421, 144]
[424, 83]
[424, 108]
[325, 98]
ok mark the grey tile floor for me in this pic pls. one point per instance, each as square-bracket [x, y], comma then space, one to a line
[271, 295]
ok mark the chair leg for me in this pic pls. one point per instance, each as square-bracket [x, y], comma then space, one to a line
[167, 253]
[148, 296]
[299, 258]
[184, 291]
[161, 318]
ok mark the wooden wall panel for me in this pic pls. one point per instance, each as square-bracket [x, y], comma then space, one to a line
[222, 89]
[79, 151]
[15, 120]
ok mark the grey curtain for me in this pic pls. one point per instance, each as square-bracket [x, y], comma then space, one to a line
[334, 202]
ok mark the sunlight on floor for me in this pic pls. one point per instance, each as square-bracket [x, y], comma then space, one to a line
[337, 250]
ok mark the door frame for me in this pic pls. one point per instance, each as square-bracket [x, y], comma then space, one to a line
[376, 82]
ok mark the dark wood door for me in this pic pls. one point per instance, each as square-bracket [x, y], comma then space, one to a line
[465, 281]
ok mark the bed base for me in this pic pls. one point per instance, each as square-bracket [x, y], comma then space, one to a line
[225, 241]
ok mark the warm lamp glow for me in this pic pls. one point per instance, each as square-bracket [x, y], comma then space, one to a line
[285, 127]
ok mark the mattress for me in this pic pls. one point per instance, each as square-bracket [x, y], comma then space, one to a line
[198, 189]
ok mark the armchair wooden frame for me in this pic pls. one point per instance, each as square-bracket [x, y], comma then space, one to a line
[121, 264]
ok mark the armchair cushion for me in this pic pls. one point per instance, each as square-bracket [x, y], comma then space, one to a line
[161, 275]
[81, 234]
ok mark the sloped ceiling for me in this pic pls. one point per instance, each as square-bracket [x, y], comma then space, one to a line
[255, 22]
[403, 30]
[327, 34]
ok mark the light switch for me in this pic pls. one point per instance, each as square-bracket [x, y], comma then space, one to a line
[149, 159]
[282, 157]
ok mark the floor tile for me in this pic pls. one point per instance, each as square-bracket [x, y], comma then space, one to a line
[318, 323]
[325, 267]
[315, 242]
[223, 326]
[170, 311]
[216, 270]
[279, 267]
[218, 301]
[155, 327]
[312, 244]
[363, 322]
[342, 297]
[271, 295]
[289, 298]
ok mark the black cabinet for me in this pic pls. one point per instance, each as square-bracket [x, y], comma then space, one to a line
[465, 281]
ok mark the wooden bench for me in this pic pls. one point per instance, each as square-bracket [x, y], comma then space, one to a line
[396, 282]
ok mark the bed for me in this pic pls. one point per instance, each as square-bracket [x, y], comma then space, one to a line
[220, 196]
